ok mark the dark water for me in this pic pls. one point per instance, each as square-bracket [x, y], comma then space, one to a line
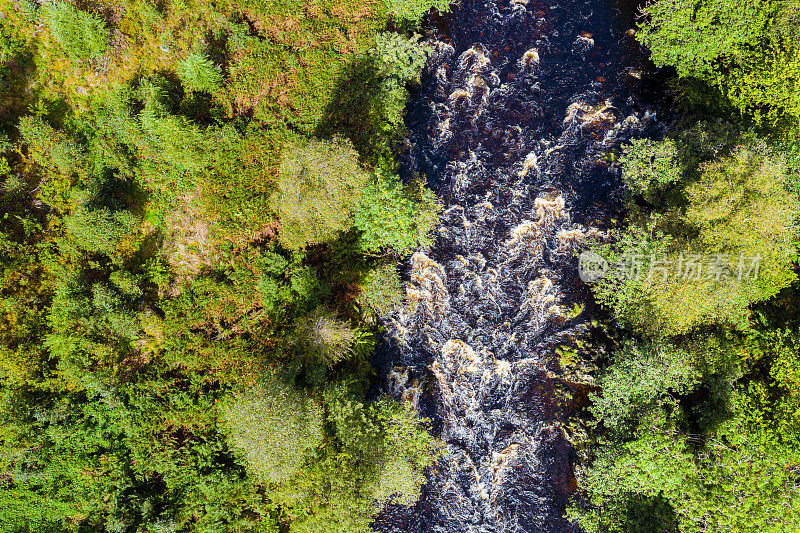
[519, 103]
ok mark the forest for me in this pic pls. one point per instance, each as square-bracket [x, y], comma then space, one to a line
[693, 417]
[173, 359]
[202, 226]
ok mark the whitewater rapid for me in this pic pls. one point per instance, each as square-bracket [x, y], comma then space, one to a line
[520, 104]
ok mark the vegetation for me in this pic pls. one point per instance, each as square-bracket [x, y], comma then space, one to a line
[193, 246]
[693, 422]
[201, 219]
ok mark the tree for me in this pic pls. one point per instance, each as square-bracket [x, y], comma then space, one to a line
[382, 291]
[741, 47]
[381, 455]
[101, 230]
[642, 379]
[734, 483]
[322, 338]
[649, 166]
[81, 35]
[398, 61]
[274, 426]
[319, 186]
[737, 235]
[198, 73]
[392, 216]
[413, 10]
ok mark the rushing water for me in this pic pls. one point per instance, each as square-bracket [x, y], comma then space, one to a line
[519, 103]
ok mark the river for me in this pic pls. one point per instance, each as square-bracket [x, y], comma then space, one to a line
[519, 104]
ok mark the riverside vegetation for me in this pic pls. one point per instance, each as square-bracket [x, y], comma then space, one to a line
[200, 221]
[694, 422]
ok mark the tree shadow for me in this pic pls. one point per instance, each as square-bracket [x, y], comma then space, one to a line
[356, 111]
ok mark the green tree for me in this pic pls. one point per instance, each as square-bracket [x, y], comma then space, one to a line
[398, 61]
[413, 10]
[741, 47]
[381, 456]
[319, 186]
[649, 166]
[642, 379]
[274, 427]
[198, 73]
[392, 216]
[739, 214]
[80, 34]
[382, 291]
[322, 338]
[656, 482]
[100, 230]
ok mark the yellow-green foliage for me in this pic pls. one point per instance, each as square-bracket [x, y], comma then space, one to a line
[749, 50]
[381, 455]
[80, 34]
[382, 291]
[742, 209]
[391, 216]
[321, 337]
[319, 185]
[198, 73]
[739, 209]
[274, 427]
